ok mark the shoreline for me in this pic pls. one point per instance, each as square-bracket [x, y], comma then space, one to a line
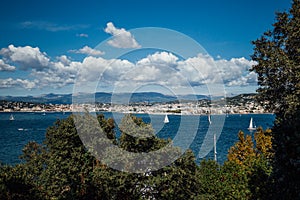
[149, 113]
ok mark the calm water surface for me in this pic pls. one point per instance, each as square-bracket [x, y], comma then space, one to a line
[14, 134]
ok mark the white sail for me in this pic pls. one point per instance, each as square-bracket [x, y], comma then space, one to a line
[11, 117]
[251, 127]
[209, 120]
[166, 119]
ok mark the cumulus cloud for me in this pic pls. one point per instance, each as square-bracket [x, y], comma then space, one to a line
[159, 58]
[21, 83]
[88, 51]
[64, 60]
[121, 37]
[26, 57]
[162, 68]
[6, 67]
[236, 71]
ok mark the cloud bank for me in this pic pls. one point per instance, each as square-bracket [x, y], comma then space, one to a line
[158, 68]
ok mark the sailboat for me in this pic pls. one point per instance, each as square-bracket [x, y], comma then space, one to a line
[209, 120]
[44, 111]
[166, 120]
[251, 127]
[11, 117]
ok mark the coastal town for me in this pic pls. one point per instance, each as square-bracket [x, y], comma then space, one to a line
[242, 104]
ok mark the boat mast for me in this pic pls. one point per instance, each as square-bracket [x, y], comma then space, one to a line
[215, 147]
[215, 140]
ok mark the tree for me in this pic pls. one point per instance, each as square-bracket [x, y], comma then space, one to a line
[138, 136]
[15, 184]
[174, 181]
[243, 151]
[277, 54]
[66, 163]
[255, 160]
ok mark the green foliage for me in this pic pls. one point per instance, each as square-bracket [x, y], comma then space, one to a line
[138, 136]
[255, 160]
[229, 181]
[277, 54]
[108, 127]
[15, 184]
[177, 180]
[63, 168]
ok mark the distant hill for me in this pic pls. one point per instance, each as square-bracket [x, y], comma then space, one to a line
[102, 97]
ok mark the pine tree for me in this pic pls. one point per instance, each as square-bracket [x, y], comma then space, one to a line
[277, 54]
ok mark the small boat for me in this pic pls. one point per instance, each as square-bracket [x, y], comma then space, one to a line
[11, 117]
[251, 127]
[209, 120]
[166, 120]
[44, 111]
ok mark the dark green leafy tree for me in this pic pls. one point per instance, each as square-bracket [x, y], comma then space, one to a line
[228, 181]
[66, 163]
[138, 136]
[177, 180]
[15, 184]
[174, 181]
[277, 54]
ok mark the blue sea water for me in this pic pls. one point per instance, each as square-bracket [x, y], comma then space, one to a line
[186, 131]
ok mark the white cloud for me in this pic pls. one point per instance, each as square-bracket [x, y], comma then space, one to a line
[159, 58]
[204, 69]
[249, 79]
[64, 60]
[121, 37]
[159, 68]
[88, 51]
[26, 57]
[52, 27]
[236, 71]
[21, 83]
[83, 35]
[6, 67]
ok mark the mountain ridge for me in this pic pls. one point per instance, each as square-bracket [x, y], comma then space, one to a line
[104, 97]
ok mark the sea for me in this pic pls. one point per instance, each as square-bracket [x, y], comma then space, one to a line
[193, 132]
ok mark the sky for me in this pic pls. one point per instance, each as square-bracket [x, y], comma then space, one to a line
[174, 46]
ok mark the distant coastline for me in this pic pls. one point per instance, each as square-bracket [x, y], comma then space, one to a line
[156, 104]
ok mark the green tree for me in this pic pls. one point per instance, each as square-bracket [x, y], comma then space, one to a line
[61, 168]
[227, 181]
[255, 160]
[277, 54]
[66, 162]
[174, 181]
[138, 136]
[15, 184]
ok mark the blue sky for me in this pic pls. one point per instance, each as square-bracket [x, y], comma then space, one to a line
[44, 43]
